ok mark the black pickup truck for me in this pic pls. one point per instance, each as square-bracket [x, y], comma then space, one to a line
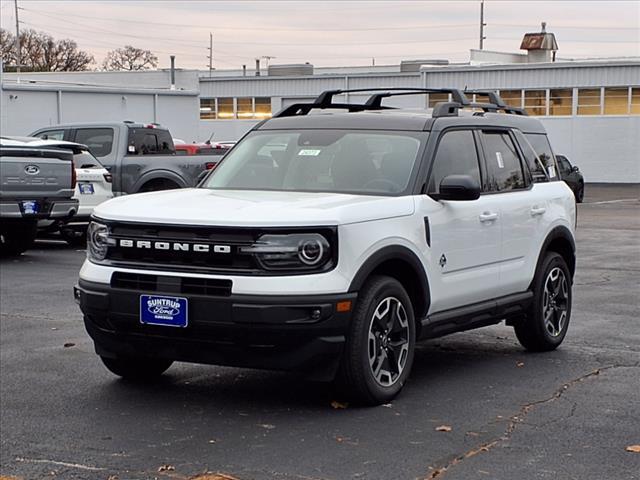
[140, 157]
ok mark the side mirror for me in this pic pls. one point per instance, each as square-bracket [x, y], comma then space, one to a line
[575, 168]
[458, 188]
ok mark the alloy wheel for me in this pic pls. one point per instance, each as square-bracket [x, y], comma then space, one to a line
[388, 342]
[555, 302]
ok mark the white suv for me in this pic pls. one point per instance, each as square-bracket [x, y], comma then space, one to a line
[331, 238]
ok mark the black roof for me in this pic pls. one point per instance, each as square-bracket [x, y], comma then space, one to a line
[400, 120]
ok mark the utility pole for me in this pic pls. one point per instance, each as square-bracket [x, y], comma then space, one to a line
[210, 56]
[18, 55]
[482, 24]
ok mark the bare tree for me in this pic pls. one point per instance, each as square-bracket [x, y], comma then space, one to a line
[40, 52]
[130, 58]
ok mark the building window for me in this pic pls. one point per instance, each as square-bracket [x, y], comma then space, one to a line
[262, 107]
[207, 109]
[561, 102]
[616, 101]
[245, 108]
[635, 101]
[229, 108]
[513, 98]
[435, 98]
[588, 101]
[535, 102]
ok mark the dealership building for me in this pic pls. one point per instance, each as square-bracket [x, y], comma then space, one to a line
[590, 108]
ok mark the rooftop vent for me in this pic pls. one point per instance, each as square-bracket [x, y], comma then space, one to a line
[414, 65]
[292, 70]
[541, 46]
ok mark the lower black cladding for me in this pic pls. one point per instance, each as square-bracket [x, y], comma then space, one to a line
[301, 333]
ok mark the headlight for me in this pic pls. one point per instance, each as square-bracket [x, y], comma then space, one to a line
[298, 251]
[98, 241]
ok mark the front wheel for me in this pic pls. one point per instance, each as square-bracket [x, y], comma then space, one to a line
[136, 368]
[380, 345]
[547, 319]
[579, 194]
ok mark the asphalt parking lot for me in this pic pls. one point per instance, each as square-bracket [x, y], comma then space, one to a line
[568, 414]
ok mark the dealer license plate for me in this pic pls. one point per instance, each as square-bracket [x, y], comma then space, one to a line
[86, 188]
[161, 310]
[30, 207]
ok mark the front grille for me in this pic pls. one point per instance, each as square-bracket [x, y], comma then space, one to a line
[166, 284]
[229, 261]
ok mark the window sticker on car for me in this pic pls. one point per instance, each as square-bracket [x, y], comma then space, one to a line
[552, 171]
[499, 160]
[309, 152]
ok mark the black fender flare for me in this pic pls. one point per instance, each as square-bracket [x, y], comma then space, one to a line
[395, 252]
[563, 233]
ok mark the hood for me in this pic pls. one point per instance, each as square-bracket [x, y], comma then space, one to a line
[200, 206]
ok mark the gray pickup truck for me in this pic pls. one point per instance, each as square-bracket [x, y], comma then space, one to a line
[140, 157]
[35, 183]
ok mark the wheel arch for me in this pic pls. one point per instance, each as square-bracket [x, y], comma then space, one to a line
[404, 265]
[159, 175]
[561, 241]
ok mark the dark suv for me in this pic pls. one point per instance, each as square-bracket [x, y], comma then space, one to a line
[572, 176]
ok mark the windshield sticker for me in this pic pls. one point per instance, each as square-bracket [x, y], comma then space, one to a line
[499, 160]
[308, 152]
[552, 171]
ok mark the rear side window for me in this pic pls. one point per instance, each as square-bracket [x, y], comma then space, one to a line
[541, 145]
[503, 163]
[149, 141]
[51, 135]
[99, 140]
[456, 155]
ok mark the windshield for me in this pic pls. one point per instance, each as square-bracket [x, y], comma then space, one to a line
[363, 162]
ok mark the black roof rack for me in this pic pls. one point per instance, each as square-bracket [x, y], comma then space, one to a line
[374, 102]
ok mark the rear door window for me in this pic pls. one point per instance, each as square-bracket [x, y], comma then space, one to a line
[148, 141]
[99, 140]
[540, 144]
[504, 168]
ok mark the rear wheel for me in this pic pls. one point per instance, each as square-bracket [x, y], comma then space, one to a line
[380, 345]
[547, 320]
[157, 185]
[74, 236]
[17, 236]
[137, 368]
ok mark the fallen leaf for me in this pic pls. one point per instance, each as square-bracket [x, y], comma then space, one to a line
[633, 448]
[166, 468]
[473, 434]
[339, 405]
[112, 477]
[339, 439]
[443, 428]
[53, 328]
[213, 476]
[387, 405]
[267, 426]
[520, 364]
[69, 344]
[212, 441]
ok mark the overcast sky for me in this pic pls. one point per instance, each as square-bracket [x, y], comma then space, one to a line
[329, 33]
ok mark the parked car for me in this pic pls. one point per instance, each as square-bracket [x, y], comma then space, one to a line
[140, 157]
[373, 228]
[572, 176]
[36, 183]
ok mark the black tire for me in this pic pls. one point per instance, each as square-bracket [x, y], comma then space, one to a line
[158, 185]
[74, 237]
[547, 319]
[579, 193]
[137, 368]
[17, 236]
[356, 377]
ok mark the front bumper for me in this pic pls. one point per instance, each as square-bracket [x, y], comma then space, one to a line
[301, 333]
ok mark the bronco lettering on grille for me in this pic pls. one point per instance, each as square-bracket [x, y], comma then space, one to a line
[176, 246]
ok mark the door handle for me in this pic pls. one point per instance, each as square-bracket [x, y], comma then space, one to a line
[537, 210]
[488, 217]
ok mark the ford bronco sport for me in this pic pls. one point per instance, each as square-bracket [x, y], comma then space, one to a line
[332, 238]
